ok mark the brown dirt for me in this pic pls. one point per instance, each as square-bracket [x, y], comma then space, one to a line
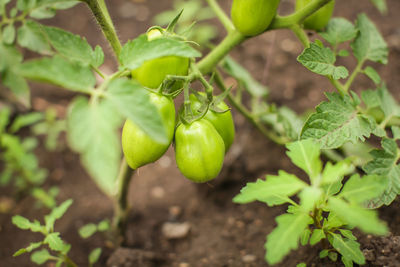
[222, 233]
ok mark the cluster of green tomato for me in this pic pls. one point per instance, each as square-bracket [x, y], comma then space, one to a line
[200, 146]
[252, 17]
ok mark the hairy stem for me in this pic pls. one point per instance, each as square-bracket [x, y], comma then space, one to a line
[301, 35]
[221, 15]
[121, 200]
[356, 71]
[100, 11]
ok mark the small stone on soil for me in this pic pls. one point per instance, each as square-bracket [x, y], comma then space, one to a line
[249, 258]
[175, 230]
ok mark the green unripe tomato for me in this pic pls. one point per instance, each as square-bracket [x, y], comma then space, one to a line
[138, 147]
[199, 151]
[153, 72]
[252, 17]
[319, 19]
[222, 122]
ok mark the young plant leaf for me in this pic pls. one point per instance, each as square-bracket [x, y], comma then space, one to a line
[59, 71]
[137, 51]
[285, 236]
[355, 215]
[321, 60]
[372, 74]
[305, 155]
[54, 241]
[25, 224]
[92, 131]
[41, 256]
[317, 235]
[359, 190]
[47, 8]
[71, 46]
[94, 255]
[275, 190]
[369, 43]
[56, 214]
[339, 30]
[384, 163]
[87, 230]
[133, 102]
[337, 122]
[350, 249]
[334, 172]
[32, 37]
[30, 248]
[309, 197]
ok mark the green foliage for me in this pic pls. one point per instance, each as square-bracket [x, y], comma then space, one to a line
[51, 239]
[327, 209]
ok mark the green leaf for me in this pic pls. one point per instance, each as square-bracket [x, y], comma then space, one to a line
[87, 230]
[343, 53]
[381, 6]
[133, 101]
[94, 255]
[317, 235]
[41, 256]
[17, 84]
[359, 190]
[302, 264]
[349, 249]
[324, 253]
[369, 43]
[25, 224]
[305, 236]
[26, 120]
[372, 74]
[285, 236]
[92, 131]
[25, 5]
[47, 8]
[134, 53]
[348, 234]
[72, 46]
[56, 214]
[309, 197]
[332, 256]
[395, 132]
[337, 122]
[61, 72]
[355, 215]
[8, 34]
[339, 30]
[347, 262]
[31, 36]
[305, 155]
[384, 163]
[292, 123]
[244, 78]
[321, 61]
[31, 247]
[104, 225]
[334, 172]
[275, 190]
[98, 57]
[54, 241]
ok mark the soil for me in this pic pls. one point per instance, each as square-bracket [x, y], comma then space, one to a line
[221, 233]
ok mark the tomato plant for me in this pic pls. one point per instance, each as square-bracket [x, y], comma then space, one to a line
[156, 67]
[199, 151]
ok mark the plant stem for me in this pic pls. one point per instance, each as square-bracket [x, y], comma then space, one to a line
[100, 11]
[356, 71]
[229, 27]
[298, 16]
[301, 35]
[121, 200]
[208, 63]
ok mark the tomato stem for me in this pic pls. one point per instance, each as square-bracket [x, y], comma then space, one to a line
[221, 15]
[121, 201]
[100, 12]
